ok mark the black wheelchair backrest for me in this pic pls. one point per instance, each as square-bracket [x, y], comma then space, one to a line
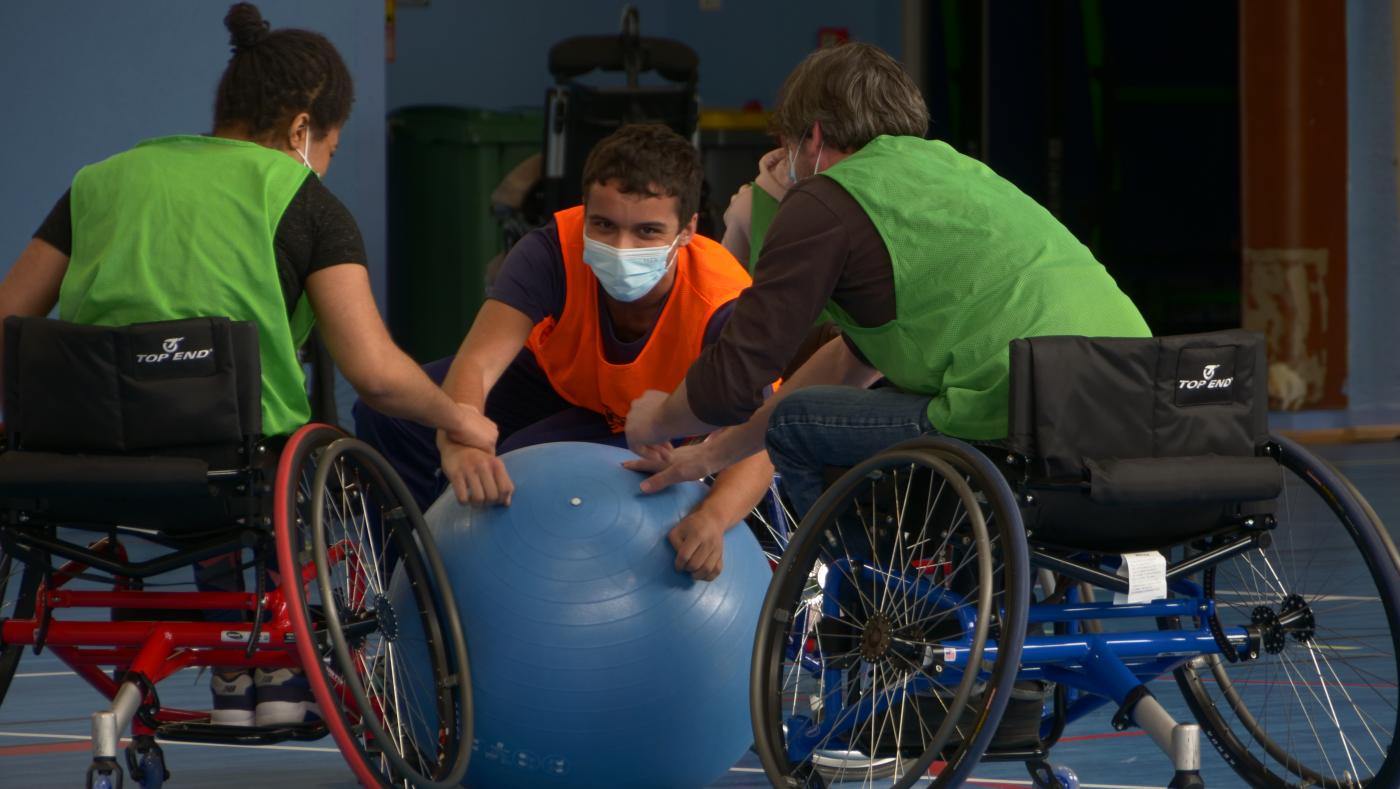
[1077, 401]
[124, 389]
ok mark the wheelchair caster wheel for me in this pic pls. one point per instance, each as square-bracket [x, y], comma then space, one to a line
[145, 762]
[1066, 777]
[104, 774]
[1045, 776]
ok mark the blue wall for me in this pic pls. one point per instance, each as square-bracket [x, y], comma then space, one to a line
[1373, 228]
[1373, 216]
[84, 80]
[493, 54]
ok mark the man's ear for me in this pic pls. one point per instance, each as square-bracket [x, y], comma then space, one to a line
[688, 232]
[298, 130]
[814, 140]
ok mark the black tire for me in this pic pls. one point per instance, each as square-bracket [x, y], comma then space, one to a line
[360, 506]
[19, 584]
[1333, 719]
[871, 519]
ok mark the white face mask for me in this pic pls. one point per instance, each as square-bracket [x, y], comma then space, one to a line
[792, 160]
[627, 274]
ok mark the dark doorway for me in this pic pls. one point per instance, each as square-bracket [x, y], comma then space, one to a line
[1123, 120]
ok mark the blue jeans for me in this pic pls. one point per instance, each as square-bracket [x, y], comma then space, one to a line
[823, 426]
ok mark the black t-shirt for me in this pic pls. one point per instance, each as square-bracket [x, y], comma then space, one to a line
[315, 232]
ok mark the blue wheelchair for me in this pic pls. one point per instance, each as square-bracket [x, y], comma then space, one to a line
[944, 604]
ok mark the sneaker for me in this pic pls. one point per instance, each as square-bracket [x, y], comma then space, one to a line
[233, 700]
[283, 698]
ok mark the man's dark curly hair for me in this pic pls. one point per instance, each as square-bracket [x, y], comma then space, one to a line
[276, 74]
[651, 160]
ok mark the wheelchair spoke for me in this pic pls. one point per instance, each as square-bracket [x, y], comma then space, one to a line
[1320, 656]
[1289, 672]
[1318, 703]
[860, 698]
[392, 664]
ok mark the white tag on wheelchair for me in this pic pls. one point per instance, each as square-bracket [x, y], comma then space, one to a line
[1147, 578]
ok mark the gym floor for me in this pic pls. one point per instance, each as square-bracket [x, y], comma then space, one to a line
[45, 718]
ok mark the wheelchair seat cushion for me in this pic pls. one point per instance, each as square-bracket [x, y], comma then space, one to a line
[169, 494]
[39, 475]
[1193, 480]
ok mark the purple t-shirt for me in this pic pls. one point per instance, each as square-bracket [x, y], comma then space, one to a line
[532, 280]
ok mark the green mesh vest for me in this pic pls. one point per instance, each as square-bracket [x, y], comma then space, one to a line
[977, 264]
[182, 227]
[761, 213]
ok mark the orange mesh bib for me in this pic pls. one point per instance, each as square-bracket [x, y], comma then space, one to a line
[570, 350]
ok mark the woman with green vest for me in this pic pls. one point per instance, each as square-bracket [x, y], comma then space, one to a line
[930, 263]
[237, 223]
[751, 209]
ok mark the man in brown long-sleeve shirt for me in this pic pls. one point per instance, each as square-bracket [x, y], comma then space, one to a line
[931, 265]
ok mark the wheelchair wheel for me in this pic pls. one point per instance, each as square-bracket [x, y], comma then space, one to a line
[19, 584]
[912, 564]
[372, 666]
[771, 522]
[1317, 705]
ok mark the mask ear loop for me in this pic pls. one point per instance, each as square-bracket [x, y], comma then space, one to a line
[792, 160]
[305, 153]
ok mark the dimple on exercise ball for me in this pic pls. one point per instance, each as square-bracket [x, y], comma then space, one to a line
[594, 662]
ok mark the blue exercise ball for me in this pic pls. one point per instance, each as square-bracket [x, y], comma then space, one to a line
[594, 662]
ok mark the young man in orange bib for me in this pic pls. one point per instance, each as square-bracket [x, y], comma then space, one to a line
[610, 299]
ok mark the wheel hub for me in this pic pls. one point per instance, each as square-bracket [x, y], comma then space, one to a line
[1270, 633]
[875, 641]
[1299, 618]
[388, 620]
[1294, 617]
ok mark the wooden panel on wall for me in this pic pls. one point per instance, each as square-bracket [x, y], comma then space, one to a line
[1293, 113]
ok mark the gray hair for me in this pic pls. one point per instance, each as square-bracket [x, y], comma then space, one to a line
[856, 91]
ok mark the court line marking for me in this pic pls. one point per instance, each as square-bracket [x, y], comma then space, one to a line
[309, 748]
[1021, 782]
[46, 674]
[989, 781]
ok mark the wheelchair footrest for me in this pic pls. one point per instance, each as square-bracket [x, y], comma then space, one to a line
[203, 731]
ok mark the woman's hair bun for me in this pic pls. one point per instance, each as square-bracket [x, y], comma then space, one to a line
[246, 27]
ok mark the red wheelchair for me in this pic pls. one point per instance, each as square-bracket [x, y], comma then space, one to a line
[136, 451]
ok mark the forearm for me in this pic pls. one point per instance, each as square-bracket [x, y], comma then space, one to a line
[737, 490]
[496, 337]
[676, 419]
[833, 363]
[398, 387]
[466, 381]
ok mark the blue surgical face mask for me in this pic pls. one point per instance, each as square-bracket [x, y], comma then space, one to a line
[627, 274]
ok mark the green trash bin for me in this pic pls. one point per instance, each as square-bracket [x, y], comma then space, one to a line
[443, 164]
